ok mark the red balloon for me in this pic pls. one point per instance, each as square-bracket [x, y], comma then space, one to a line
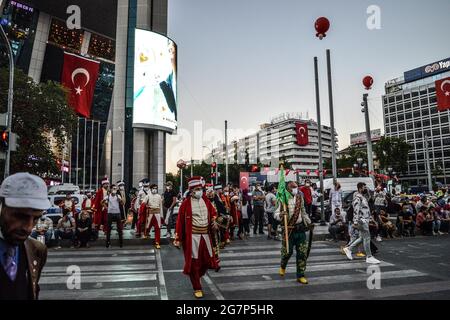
[367, 82]
[322, 25]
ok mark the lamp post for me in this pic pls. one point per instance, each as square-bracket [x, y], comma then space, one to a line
[10, 98]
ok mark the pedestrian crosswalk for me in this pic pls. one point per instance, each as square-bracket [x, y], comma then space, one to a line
[103, 273]
[250, 271]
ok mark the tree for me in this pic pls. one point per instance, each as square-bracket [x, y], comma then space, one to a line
[39, 111]
[392, 152]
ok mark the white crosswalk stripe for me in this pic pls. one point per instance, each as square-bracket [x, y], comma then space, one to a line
[251, 269]
[131, 273]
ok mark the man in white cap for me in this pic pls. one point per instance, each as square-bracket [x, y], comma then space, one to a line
[23, 198]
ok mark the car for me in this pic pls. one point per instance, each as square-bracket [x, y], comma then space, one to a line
[63, 189]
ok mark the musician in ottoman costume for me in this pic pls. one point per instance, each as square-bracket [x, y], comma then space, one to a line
[298, 224]
[194, 232]
[142, 212]
[154, 206]
[100, 210]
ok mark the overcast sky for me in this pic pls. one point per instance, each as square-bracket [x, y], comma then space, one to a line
[246, 61]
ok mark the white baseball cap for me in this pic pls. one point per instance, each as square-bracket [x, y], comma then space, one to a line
[24, 190]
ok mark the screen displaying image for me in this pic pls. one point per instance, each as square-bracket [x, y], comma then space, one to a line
[155, 87]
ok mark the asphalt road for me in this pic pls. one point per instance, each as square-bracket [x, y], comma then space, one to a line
[412, 268]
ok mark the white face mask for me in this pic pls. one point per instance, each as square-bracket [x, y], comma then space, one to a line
[295, 191]
[198, 194]
[154, 191]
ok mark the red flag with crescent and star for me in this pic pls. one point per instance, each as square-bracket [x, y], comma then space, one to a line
[302, 133]
[79, 76]
[443, 94]
[243, 181]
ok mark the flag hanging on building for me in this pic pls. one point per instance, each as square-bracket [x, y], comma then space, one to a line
[79, 76]
[443, 94]
[302, 133]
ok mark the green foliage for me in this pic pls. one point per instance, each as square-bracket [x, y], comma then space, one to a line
[392, 152]
[38, 110]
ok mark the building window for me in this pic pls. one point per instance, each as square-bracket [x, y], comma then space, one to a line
[419, 135]
[417, 114]
[418, 124]
[436, 132]
[415, 103]
[398, 98]
[407, 95]
[401, 117]
[438, 154]
[102, 47]
[421, 167]
[426, 122]
[63, 37]
[415, 93]
[408, 115]
[437, 143]
[425, 112]
[432, 99]
[409, 126]
[391, 100]
[420, 156]
[424, 102]
[407, 106]
[431, 89]
[393, 119]
[400, 107]
[409, 137]
[419, 145]
[435, 121]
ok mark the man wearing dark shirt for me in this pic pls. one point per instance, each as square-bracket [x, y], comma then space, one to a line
[405, 220]
[169, 202]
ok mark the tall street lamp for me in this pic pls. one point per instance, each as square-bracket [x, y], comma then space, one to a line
[10, 98]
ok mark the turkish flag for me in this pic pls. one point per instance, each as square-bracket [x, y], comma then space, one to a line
[443, 94]
[302, 133]
[79, 76]
[243, 180]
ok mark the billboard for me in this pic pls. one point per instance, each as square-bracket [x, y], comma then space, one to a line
[360, 137]
[155, 81]
[428, 70]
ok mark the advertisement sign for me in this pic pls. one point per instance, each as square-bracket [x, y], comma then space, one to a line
[428, 70]
[155, 82]
[360, 137]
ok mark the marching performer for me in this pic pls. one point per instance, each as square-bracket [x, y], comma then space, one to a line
[210, 194]
[193, 231]
[142, 213]
[154, 207]
[224, 216]
[291, 206]
[100, 211]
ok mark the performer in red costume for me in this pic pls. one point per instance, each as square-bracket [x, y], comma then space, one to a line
[194, 232]
[100, 211]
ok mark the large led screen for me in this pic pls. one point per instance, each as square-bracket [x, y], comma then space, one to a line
[155, 86]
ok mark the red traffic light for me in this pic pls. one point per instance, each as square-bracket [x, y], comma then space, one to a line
[213, 164]
[5, 140]
[255, 168]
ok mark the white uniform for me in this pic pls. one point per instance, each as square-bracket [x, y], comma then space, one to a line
[199, 219]
[154, 202]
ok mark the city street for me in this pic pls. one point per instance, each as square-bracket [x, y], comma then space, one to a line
[411, 268]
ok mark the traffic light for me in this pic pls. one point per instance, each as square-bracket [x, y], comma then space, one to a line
[5, 140]
[213, 175]
[214, 164]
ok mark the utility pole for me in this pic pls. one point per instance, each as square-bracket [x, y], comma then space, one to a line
[10, 99]
[226, 152]
[319, 130]
[368, 135]
[427, 157]
[330, 97]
